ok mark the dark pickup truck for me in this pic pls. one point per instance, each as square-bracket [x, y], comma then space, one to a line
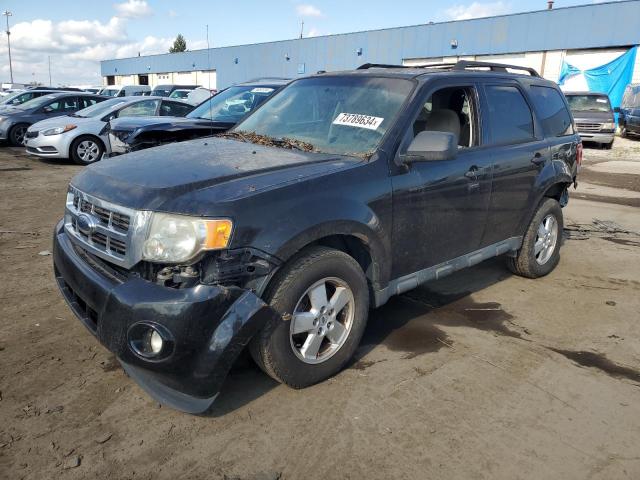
[340, 191]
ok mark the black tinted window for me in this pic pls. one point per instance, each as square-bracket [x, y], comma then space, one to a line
[174, 109]
[510, 118]
[552, 111]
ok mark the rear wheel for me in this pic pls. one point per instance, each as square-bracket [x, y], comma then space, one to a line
[323, 297]
[86, 150]
[540, 251]
[17, 133]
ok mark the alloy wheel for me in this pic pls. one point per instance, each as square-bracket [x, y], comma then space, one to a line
[322, 320]
[546, 239]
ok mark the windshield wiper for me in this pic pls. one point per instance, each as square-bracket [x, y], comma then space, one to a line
[282, 142]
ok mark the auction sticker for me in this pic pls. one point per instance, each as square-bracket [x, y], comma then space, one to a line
[357, 120]
[262, 90]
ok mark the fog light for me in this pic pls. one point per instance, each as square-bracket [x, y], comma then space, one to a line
[155, 342]
[150, 340]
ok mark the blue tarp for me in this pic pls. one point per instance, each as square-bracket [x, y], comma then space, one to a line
[610, 78]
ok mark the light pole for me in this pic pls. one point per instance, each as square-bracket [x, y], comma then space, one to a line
[7, 14]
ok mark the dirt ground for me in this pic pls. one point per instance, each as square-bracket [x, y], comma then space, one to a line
[482, 375]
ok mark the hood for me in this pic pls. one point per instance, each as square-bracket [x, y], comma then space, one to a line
[159, 178]
[134, 123]
[60, 122]
[591, 116]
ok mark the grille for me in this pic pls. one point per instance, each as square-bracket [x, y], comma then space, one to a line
[109, 232]
[589, 127]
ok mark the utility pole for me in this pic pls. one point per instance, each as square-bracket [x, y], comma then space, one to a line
[7, 14]
[301, 28]
[50, 71]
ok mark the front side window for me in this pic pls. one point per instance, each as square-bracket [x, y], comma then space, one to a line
[552, 111]
[450, 110]
[344, 115]
[232, 104]
[140, 109]
[509, 116]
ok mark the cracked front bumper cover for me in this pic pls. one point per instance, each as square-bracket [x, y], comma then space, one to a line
[210, 326]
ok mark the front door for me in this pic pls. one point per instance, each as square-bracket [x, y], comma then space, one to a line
[440, 207]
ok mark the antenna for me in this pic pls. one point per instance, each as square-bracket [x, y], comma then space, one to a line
[302, 29]
[209, 81]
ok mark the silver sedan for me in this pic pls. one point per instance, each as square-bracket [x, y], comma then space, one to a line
[80, 137]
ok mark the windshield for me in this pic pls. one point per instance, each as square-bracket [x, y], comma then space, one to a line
[37, 102]
[100, 109]
[16, 98]
[592, 103]
[339, 115]
[232, 104]
[179, 94]
[109, 92]
[161, 91]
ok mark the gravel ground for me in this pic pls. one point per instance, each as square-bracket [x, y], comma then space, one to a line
[481, 375]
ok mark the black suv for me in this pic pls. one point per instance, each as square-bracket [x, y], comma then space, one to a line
[340, 191]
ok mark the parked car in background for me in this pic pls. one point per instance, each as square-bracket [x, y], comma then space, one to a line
[125, 91]
[180, 94]
[629, 111]
[80, 136]
[15, 122]
[339, 192]
[215, 115]
[167, 90]
[95, 90]
[22, 96]
[199, 95]
[594, 117]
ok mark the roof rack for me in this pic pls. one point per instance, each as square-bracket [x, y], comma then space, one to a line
[459, 66]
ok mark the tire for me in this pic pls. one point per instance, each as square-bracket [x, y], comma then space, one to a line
[608, 146]
[86, 149]
[16, 134]
[529, 263]
[279, 351]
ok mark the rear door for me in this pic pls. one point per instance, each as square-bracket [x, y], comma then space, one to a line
[518, 152]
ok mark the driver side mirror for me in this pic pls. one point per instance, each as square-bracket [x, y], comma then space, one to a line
[429, 146]
[47, 109]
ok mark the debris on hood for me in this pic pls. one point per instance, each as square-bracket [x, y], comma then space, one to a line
[284, 142]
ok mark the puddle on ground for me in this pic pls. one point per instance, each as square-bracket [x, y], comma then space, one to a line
[411, 323]
[600, 362]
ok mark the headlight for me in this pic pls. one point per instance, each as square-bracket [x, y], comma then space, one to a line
[608, 126]
[177, 238]
[58, 130]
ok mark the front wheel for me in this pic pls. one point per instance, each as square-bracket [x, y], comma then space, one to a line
[323, 297]
[540, 250]
[86, 150]
[17, 133]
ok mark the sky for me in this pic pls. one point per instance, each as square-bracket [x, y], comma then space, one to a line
[77, 35]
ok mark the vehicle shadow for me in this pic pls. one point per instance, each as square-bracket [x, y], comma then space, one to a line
[400, 325]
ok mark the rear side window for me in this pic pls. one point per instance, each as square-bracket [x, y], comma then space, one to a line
[509, 118]
[552, 111]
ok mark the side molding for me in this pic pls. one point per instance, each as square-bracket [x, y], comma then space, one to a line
[411, 281]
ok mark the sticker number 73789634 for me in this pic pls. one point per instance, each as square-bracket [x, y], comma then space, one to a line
[357, 120]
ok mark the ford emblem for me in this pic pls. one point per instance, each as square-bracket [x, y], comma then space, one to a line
[86, 224]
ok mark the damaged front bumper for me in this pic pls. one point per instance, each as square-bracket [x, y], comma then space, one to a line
[204, 328]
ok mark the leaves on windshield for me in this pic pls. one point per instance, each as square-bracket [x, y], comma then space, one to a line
[252, 137]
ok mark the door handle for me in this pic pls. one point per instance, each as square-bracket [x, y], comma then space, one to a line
[472, 173]
[538, 159]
